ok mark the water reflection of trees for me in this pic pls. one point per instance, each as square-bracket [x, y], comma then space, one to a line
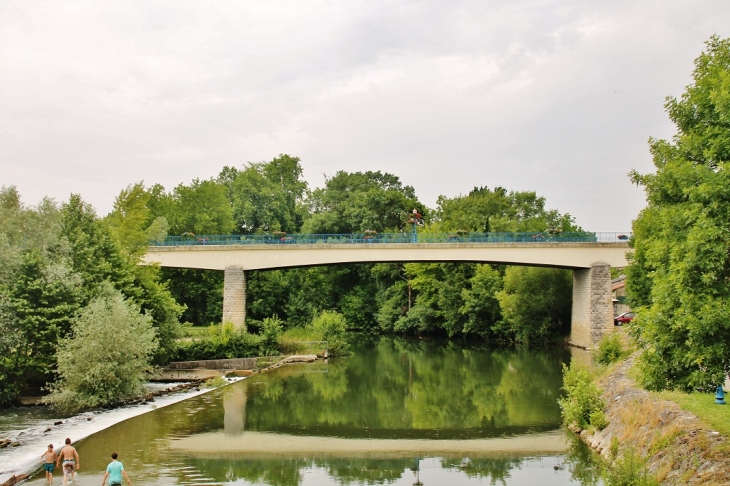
[487, 469]
[346, 471]
[394, 388]
[406, 388]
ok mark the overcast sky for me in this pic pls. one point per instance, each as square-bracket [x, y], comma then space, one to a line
[555, 96]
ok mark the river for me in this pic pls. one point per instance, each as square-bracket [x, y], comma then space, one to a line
[396, 411]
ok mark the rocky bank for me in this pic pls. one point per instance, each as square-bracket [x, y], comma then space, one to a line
[680, 448]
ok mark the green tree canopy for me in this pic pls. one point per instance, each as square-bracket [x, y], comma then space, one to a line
[133, 222]
[201, 208]
[359, 201]
[679, 279]
[487, 210]
[266, 196]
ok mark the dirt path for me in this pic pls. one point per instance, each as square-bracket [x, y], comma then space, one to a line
[681, 449]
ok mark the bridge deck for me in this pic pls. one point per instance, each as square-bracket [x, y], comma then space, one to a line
[270, 256]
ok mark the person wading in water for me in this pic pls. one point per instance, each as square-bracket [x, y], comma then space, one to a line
[70, 459]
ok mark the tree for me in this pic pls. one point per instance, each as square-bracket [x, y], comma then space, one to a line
[679, 278]
[485, 210]
[201, 208]
[266, 196]
[536, 302]
[39, 291]
[359, 201]
[132, 220]
[108, 355]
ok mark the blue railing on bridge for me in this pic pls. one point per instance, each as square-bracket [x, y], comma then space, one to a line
[425, 237]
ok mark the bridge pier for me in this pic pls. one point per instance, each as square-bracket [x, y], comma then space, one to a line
[592, 313]
[234, 296]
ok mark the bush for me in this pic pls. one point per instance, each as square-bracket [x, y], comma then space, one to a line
[610, 349]
[331, 326]
[629, 470]
[582, 406]
[215, 382]
[271, 331]
[227, 342]
[108, 356]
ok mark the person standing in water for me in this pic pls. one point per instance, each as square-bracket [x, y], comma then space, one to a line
[115, 471]
[70, 459]
[48, 458]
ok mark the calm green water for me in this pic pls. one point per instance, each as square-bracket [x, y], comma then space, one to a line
[395, 412]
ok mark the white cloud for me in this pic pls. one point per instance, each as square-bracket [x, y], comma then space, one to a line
[548, 95]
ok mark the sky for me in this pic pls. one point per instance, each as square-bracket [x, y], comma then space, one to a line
[554, 96]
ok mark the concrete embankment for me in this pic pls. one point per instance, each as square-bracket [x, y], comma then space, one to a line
[680, 448]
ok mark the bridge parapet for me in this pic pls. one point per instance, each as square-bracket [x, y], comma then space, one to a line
[395, 238]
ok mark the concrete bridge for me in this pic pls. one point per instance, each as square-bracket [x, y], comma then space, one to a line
[590, 261]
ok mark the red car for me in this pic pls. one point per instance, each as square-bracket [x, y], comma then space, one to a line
[622, 319]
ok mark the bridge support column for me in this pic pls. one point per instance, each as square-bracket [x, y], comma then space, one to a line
[234, 296]
[592, 314]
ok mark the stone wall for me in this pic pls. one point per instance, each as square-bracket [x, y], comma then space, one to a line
[234, 296]
[592, 313]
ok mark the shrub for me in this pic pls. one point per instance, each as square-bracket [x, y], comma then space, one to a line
[227, 342]
[271, 331]
[108, 356]
[220, 344]
[582, 406]
[629, 470]
[215, 382]
[331, 326]
[610, 349]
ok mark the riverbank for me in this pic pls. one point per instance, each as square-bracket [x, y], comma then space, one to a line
[680, 449]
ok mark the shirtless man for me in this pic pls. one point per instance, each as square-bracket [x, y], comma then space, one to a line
[70, 459]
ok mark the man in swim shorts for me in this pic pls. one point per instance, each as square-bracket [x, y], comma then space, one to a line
[48, 458]
[70, 461]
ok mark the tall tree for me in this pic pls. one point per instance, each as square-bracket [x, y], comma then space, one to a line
[359, 201]
[536, 303]
[132, 220]
[266, 196]
[201, 208]
[487, 210]
[679, 279]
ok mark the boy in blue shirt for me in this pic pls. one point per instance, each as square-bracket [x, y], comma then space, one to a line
[114, 472]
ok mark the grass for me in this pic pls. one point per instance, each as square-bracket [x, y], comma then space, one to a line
[196, 332]
[298, 340]
[215, 382]
[703, 405]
